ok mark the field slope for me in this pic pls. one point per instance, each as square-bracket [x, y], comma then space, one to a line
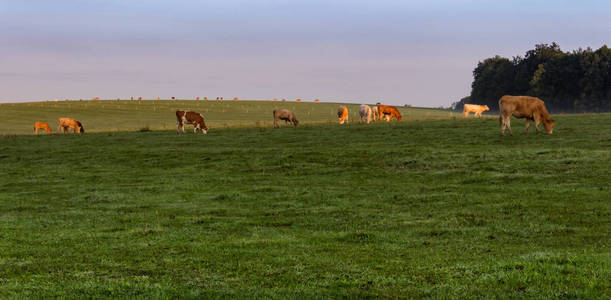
[431, 208]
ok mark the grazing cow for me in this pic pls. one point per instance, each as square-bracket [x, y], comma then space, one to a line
[476, 109]
[365, 113]
[286, 115]
[190, 117]
[342, 114]
[65, 123]
[374, 112]
[530, 108]
[388, 112]
[42, 126]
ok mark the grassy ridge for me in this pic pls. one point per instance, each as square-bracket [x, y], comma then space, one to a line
[98, 116]
[439, 208]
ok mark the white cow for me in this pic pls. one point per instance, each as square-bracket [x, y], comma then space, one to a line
[365, 113]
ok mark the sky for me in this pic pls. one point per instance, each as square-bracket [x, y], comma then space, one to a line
[420, 53]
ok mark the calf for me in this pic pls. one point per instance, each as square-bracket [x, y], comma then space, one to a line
[190, 117]
[374, 112]
[476, 109]
[42, 126]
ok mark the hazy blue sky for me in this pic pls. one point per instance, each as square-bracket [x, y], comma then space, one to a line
[399, 52]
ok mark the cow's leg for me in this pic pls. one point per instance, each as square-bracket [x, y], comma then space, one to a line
[537, 122]
[466, 113]
[504, 120]
[527, 125]
[508, 124]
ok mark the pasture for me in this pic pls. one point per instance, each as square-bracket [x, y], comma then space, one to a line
[126, 115]
[429, 207]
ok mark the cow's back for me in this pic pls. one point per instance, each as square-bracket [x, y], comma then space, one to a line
[67, 121]
[520, 106]
[282, 113]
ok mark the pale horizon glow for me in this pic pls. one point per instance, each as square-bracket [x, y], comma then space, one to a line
[420, 53]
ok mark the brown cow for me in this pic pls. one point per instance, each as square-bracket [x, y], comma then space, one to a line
[388, 112]
[65, 123]
[286, 115]
[476, 109]
[342, 114]
[190, 117]
[530, 108]
[42, 126]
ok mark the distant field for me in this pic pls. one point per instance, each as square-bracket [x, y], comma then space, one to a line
[429, 208]
[98, 116]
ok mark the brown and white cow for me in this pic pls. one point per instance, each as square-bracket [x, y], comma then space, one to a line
[190, 117]
[524, 107]
[66, 123]
[42, 126]
[286, 115]
[388, 112]
[476, 109]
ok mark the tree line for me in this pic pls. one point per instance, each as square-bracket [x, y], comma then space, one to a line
[577, 81]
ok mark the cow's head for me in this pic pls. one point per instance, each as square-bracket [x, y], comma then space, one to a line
[486, 108]
[549, 125]
[205, 129]
[80, 127]
[296, 123]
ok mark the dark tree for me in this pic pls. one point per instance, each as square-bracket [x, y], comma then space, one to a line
[579, 81]
[492, 78]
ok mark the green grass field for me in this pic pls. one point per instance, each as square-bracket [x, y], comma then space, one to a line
[104, 116]
[431, 207]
